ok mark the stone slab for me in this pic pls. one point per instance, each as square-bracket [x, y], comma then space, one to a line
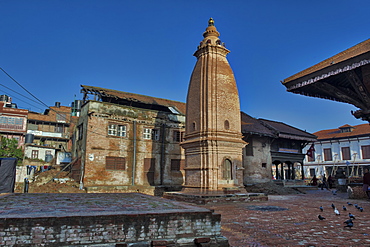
[106, 219]
[207, 198]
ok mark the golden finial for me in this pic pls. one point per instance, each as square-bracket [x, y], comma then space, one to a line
[211, 22]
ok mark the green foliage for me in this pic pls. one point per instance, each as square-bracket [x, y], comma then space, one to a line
[9, 148]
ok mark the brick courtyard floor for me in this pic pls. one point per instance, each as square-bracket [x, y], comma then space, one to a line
[292, 220]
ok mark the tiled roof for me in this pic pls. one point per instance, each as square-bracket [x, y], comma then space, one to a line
[274, 129]
[358, 130]
[180, 106]
[252, 125]
[354, 51]
[288, 131]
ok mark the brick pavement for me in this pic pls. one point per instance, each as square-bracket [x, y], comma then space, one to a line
[297, 223]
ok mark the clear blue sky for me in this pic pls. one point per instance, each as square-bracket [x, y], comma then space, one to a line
[146, 47]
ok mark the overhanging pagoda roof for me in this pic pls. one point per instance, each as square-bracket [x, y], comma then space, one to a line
[344, 77]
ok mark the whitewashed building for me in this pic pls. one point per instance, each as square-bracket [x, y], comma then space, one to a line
[344, 150]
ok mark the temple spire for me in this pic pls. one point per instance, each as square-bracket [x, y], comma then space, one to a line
[213, 139]
[211, 22]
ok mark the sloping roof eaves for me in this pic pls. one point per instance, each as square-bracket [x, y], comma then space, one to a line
[180, 106]
[351, 52]
[289, 132]
[250, 125]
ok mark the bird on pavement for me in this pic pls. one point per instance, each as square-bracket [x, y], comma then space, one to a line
[321, 208]
[351, 216]
[349, 204]
[332, 205]
[356, 206]
[336, 211]
[334, 192]
[349, 224]
[320, 217]
[344, 208]
[348, 221]
[361, 209]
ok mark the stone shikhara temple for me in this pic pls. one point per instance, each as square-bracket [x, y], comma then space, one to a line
[213, 139]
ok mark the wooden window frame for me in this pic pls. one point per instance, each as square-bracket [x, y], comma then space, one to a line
[115, 163]
[365, 150]
[178, 136]
[327, 154]
[34, 154]
[346, 153]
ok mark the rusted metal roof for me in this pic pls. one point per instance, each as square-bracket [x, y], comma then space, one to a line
[105, 95]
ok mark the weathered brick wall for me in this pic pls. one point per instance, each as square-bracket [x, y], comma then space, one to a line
[133, 147]
[178, 229]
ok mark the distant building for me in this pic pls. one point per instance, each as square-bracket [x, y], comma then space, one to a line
[49, 135]
[342, 150]
[13, 121]
[129, 142]
[274, 150]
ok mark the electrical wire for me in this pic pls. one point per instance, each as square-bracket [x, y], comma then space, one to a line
[23, 87]
[21, 94]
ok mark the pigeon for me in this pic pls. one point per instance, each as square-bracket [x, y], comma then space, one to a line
[349, 204]
[351, 216]
[332, 205]
[349, 224]
[320, 217]
[344, 208]
[321, 208]
[334, 192]
[336, 211]
[348, 221]
[361, 209]
[356, 206]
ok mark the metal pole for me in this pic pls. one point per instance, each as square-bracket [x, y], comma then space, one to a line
[134, 154]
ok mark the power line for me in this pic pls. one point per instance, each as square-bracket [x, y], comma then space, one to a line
[58, 113]
[23, 87]
[20, 94]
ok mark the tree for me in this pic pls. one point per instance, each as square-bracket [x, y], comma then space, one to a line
[9, 148]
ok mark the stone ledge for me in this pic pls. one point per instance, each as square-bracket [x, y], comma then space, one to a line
[203, 199]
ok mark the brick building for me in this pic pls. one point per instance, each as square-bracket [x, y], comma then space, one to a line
[50, 134]
[129, 142]
[13, 121]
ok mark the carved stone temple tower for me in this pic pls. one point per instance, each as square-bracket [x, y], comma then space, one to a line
[213, 139]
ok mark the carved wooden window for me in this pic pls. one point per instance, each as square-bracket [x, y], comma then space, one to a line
[115, 163]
